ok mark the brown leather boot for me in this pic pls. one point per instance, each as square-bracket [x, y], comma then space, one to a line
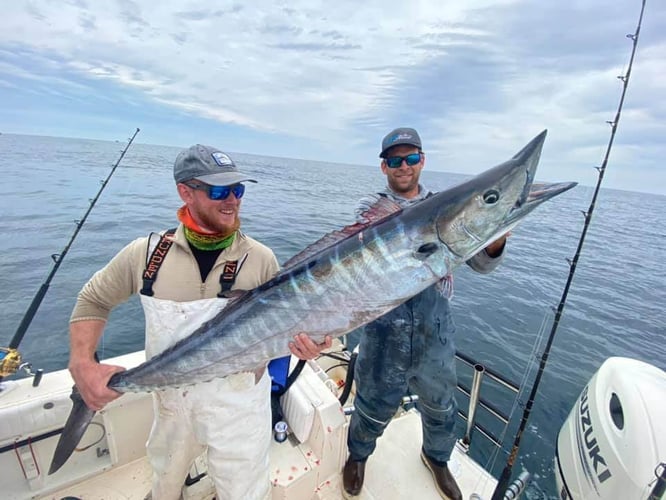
[444, 480]
[352, 478]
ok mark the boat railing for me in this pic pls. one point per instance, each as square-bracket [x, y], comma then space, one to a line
[479, 374]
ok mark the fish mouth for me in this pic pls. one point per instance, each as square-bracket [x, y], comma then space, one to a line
[538, 193]
[481, 210]
[534, 193]
[523, 165]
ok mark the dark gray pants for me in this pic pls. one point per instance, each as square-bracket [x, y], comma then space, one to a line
[409, 350]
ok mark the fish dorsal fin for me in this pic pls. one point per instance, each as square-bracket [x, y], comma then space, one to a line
[380, 210]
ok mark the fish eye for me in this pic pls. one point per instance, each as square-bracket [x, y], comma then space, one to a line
[491, 197]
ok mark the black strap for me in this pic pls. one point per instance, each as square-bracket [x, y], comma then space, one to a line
[153, 264]
[277, 392]
[228, 277]
[155, 261]
[291, 378]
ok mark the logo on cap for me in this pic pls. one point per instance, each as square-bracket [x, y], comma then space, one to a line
[221, 159]
[403, 135]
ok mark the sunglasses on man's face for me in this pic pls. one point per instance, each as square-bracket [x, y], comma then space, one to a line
[219, 192]
[396, 161]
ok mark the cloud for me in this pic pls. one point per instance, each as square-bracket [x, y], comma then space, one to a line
[478, 78]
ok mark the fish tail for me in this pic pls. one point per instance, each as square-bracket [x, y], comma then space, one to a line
[77, 422]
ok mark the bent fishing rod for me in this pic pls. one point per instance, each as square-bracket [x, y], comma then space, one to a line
[10, 363]
[505, 478]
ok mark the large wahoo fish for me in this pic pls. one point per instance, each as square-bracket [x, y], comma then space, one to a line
[347, 279]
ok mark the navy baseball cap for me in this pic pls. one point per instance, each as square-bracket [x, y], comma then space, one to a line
[402, 135]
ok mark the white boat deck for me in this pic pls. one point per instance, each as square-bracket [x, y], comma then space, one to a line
[394, 471]
[116, 467]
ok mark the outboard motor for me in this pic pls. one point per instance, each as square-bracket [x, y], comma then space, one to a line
[614, 439]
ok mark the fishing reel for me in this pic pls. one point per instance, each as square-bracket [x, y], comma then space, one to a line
[10, 363]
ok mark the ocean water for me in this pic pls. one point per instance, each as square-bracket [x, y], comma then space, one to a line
[615, 306]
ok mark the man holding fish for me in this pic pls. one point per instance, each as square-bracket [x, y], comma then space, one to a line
[206, 258]
[399, 258]
[410, 349]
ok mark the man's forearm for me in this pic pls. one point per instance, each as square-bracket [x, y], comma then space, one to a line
[90, 377]
[83, 339]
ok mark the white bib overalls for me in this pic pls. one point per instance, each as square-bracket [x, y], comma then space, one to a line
[228, 417]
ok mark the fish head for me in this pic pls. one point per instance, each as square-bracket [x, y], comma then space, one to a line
[482, 209]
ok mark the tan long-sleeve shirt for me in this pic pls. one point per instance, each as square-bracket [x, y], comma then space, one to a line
[178, 278]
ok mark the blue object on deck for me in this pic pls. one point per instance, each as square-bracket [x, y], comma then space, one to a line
[278, 369]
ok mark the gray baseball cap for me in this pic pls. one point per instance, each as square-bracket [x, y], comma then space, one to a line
[209, 165]
[402, 135]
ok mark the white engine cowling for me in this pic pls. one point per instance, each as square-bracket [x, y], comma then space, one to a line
[615, 436]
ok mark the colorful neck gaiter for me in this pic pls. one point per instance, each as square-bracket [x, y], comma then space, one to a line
[202, 239]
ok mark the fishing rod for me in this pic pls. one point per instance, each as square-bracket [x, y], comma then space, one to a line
[12, 358]
[505, 477]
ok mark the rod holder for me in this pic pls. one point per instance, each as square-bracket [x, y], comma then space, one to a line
[479, 370]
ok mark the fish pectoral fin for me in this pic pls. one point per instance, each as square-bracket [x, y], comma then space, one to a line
[425, 250]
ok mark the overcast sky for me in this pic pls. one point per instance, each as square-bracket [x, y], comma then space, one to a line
[327, 80]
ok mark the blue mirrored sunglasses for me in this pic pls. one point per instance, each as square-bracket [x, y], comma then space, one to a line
[219, 192]
[396, 161]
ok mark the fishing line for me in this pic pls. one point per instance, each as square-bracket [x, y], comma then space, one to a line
[531, 361]
[11, 358]
[505, 478]
[99, 439]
